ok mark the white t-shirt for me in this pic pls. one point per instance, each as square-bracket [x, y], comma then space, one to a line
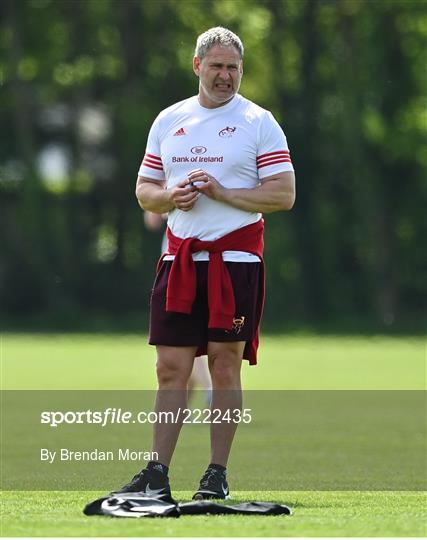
[238, 143]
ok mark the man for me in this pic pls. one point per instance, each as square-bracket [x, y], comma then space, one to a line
[214, 163]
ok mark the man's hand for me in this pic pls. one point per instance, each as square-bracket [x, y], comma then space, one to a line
[152, 196]
[184, 195]
[206, 184]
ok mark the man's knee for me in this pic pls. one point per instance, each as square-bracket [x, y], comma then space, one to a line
[224, 376]
[166, 372]
[173, 368]
[225, 363]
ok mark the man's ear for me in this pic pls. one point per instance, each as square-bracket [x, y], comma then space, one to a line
[241, 67]
[196, 65]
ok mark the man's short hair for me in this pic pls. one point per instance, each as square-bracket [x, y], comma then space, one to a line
[217, 36]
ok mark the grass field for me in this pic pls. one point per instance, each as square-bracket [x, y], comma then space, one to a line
[92, 361]
[315, 514]
[106, 362]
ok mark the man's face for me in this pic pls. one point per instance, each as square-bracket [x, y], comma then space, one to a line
[220, 73]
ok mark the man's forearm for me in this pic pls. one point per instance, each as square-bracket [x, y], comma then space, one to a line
[268, 197]
[154, 198]
[275, 193]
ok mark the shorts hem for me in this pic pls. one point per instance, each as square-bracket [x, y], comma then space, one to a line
[158, 342]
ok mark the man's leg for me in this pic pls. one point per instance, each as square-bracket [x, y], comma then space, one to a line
[174, 365]
[225, 362]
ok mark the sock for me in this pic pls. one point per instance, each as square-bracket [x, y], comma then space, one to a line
[157, 466]
[217, 467]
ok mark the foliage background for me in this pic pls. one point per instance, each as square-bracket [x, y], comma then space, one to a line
[81, 82]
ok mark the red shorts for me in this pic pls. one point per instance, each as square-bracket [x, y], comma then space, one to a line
[181, 330]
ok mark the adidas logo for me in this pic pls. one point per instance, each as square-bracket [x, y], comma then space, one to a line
[180, 132]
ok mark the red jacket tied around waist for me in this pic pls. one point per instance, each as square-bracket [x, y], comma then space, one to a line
[182, 283]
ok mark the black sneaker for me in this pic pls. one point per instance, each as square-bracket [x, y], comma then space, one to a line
[150, 483]
[213, 485]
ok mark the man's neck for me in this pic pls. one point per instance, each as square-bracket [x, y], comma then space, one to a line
[208, 104]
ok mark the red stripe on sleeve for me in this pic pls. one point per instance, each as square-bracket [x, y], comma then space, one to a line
[155, 158]
[148, 160]
[145, 164]
[274, 162]
[271, 154]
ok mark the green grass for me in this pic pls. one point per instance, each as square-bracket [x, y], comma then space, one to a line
[315, 514]
[43, 361]
[85, 361]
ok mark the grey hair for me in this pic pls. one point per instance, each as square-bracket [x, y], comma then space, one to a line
[217, 36]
